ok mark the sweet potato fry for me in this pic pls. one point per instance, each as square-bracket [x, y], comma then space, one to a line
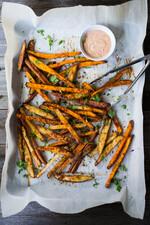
[116, 84]
[55, 150]
[86, 113]
[37, 72]
[91, 103]
[28, 159]
[57, 144]
[47, 69]
[31, 97]
[31, 45]
[53, 56]
[94, 152]
[54, 135]
[80, 107]
[21, 56]
[73, 178]
[68, 126]
[111, 138]
[89, 133]
[33, 143]
[115, 168]
[53, 88]
[103, 137]
[116, 122]
[20, 141]
[76, 96]
[40, 120]
[108, 149]
[90, 63]
[69, 61]
[39, 111]
[36, 159]
[50, 162]
[72, 73]
[118, 151]
[87, 86]
[35, 133]
[61, 127]
[75, 115]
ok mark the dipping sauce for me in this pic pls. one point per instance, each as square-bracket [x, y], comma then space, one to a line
[97, 43]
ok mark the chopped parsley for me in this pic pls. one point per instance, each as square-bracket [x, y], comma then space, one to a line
[111, 113]
[132, 91]
[83, 39]
[60, 91]
[108, 94]
[95, 184]
[33, 114]
[125, 177]
[116, 172]
[96, 98]
[98, 126]
[33, 135]
[123, 168]
[37, 62]
[22, 150]
[53, 79]
[79, 57]
[41, 32]
[25, 175]
[87, 67]
[118, 188]
[73, 107]
[47, 110]
[46, 92]
[106, 122]
[61, 42]
[22, 165]
[118, 98]
[64, 101]
[124, 106]
[128, 114]
[37, 169]
[37, 103]
[112, 79]
[116, 182]
[86, 100]
[84, 139]
[102, 157]
[50, 41]
[66, 73]
[45, 143]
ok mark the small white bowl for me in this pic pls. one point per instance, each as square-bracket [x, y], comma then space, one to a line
[108, 32]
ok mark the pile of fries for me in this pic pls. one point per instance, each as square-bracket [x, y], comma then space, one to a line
[70, 124]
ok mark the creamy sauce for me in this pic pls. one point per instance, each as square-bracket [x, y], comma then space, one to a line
[97, 43]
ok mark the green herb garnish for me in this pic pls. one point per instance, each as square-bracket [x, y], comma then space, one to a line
[102, 157]
[37, 62]
[123, 168]
[96, 98]
[84, 139]
[61, 42]
[95, 184]
[111, 113]
[112, 79]
[87, 67]
[66, 73]
[33, 135]
[53, 79]
[60, 91]
[41, 32]
[124, 106]
[98, 126]
[37, 169]
[50, 41]
[22, 150]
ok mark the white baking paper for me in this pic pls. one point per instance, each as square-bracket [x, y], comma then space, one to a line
[128, 22]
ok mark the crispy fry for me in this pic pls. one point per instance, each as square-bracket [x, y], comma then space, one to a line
[86, 113]
[28, 159]
[54, 135]
[118, 151]
[90, 63]
[55, 150]
[50, 162]
[33, 128]
[72, 73]
[103, 137]
[47, 69]
[61, 127]
[111, 137]
[31, 97]
[72, 114]
[128, 141]
[36, 159]
[39, 111]
[34, 145]
[89, 133]
[91, 103]
[76, 96]
[116, 84]
[73, 178]
[69, 61]
[87, 86]
[53, 56]
[68, 126]
[40, 120]
[57, 144]
[94, 152]
[97, 119]
[53, 88]
[80, 107]
[116, 122]
[31, 45]
[21, 56]
[20, 141]
[108, 149]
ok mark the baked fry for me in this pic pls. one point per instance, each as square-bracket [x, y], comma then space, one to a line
[55, 150]
[86, 113]
[87, 86]
[61, 127]
[28, 159]
[39, 111]
[36, 159]
[90, 63]
[54, 135]
[89, 133]
[72, 73]
[69, 61]
[68, 126]
[21, 56]
[73, 178]
[119, 149]
[115, 168]
[20, 141]
[111, 138]
[31, 45]
[80, 107]
[116, 122]
[53, 56]
[31, 97]
[76, 96]
[57, 144]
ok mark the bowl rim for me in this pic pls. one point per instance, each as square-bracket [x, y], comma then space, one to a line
[109, 33]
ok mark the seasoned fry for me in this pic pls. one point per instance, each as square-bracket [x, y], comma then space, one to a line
[72, 114]
[30, 147]
[116, 84]
[108, 149]
[53, 88]
[116, 122]
[40, 120]
[87, 86]
[47, 69]
[90, 63]
[111, 81]
[80, 107]
[91, 103]
[76, 96]
[69, 127]
[118, 151]
[72, 73]
[36, 133]
[55, 150]
[31, 45]
[103, 137]
[57, 144]
[94, 152]
[61, 127]
[21, 56]
[89, 133]
[20, 141]
[54, 135]
[53, 56]
[86, 113]
[39, 111]
[115, 168]
[73, 178]
[50, 162]
[31, 97]
[69, 61]
[28, 159]
[111, 138]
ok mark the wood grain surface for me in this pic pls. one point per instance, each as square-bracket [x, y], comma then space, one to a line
[107, 214]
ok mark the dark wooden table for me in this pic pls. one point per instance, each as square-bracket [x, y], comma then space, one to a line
[107, 214]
